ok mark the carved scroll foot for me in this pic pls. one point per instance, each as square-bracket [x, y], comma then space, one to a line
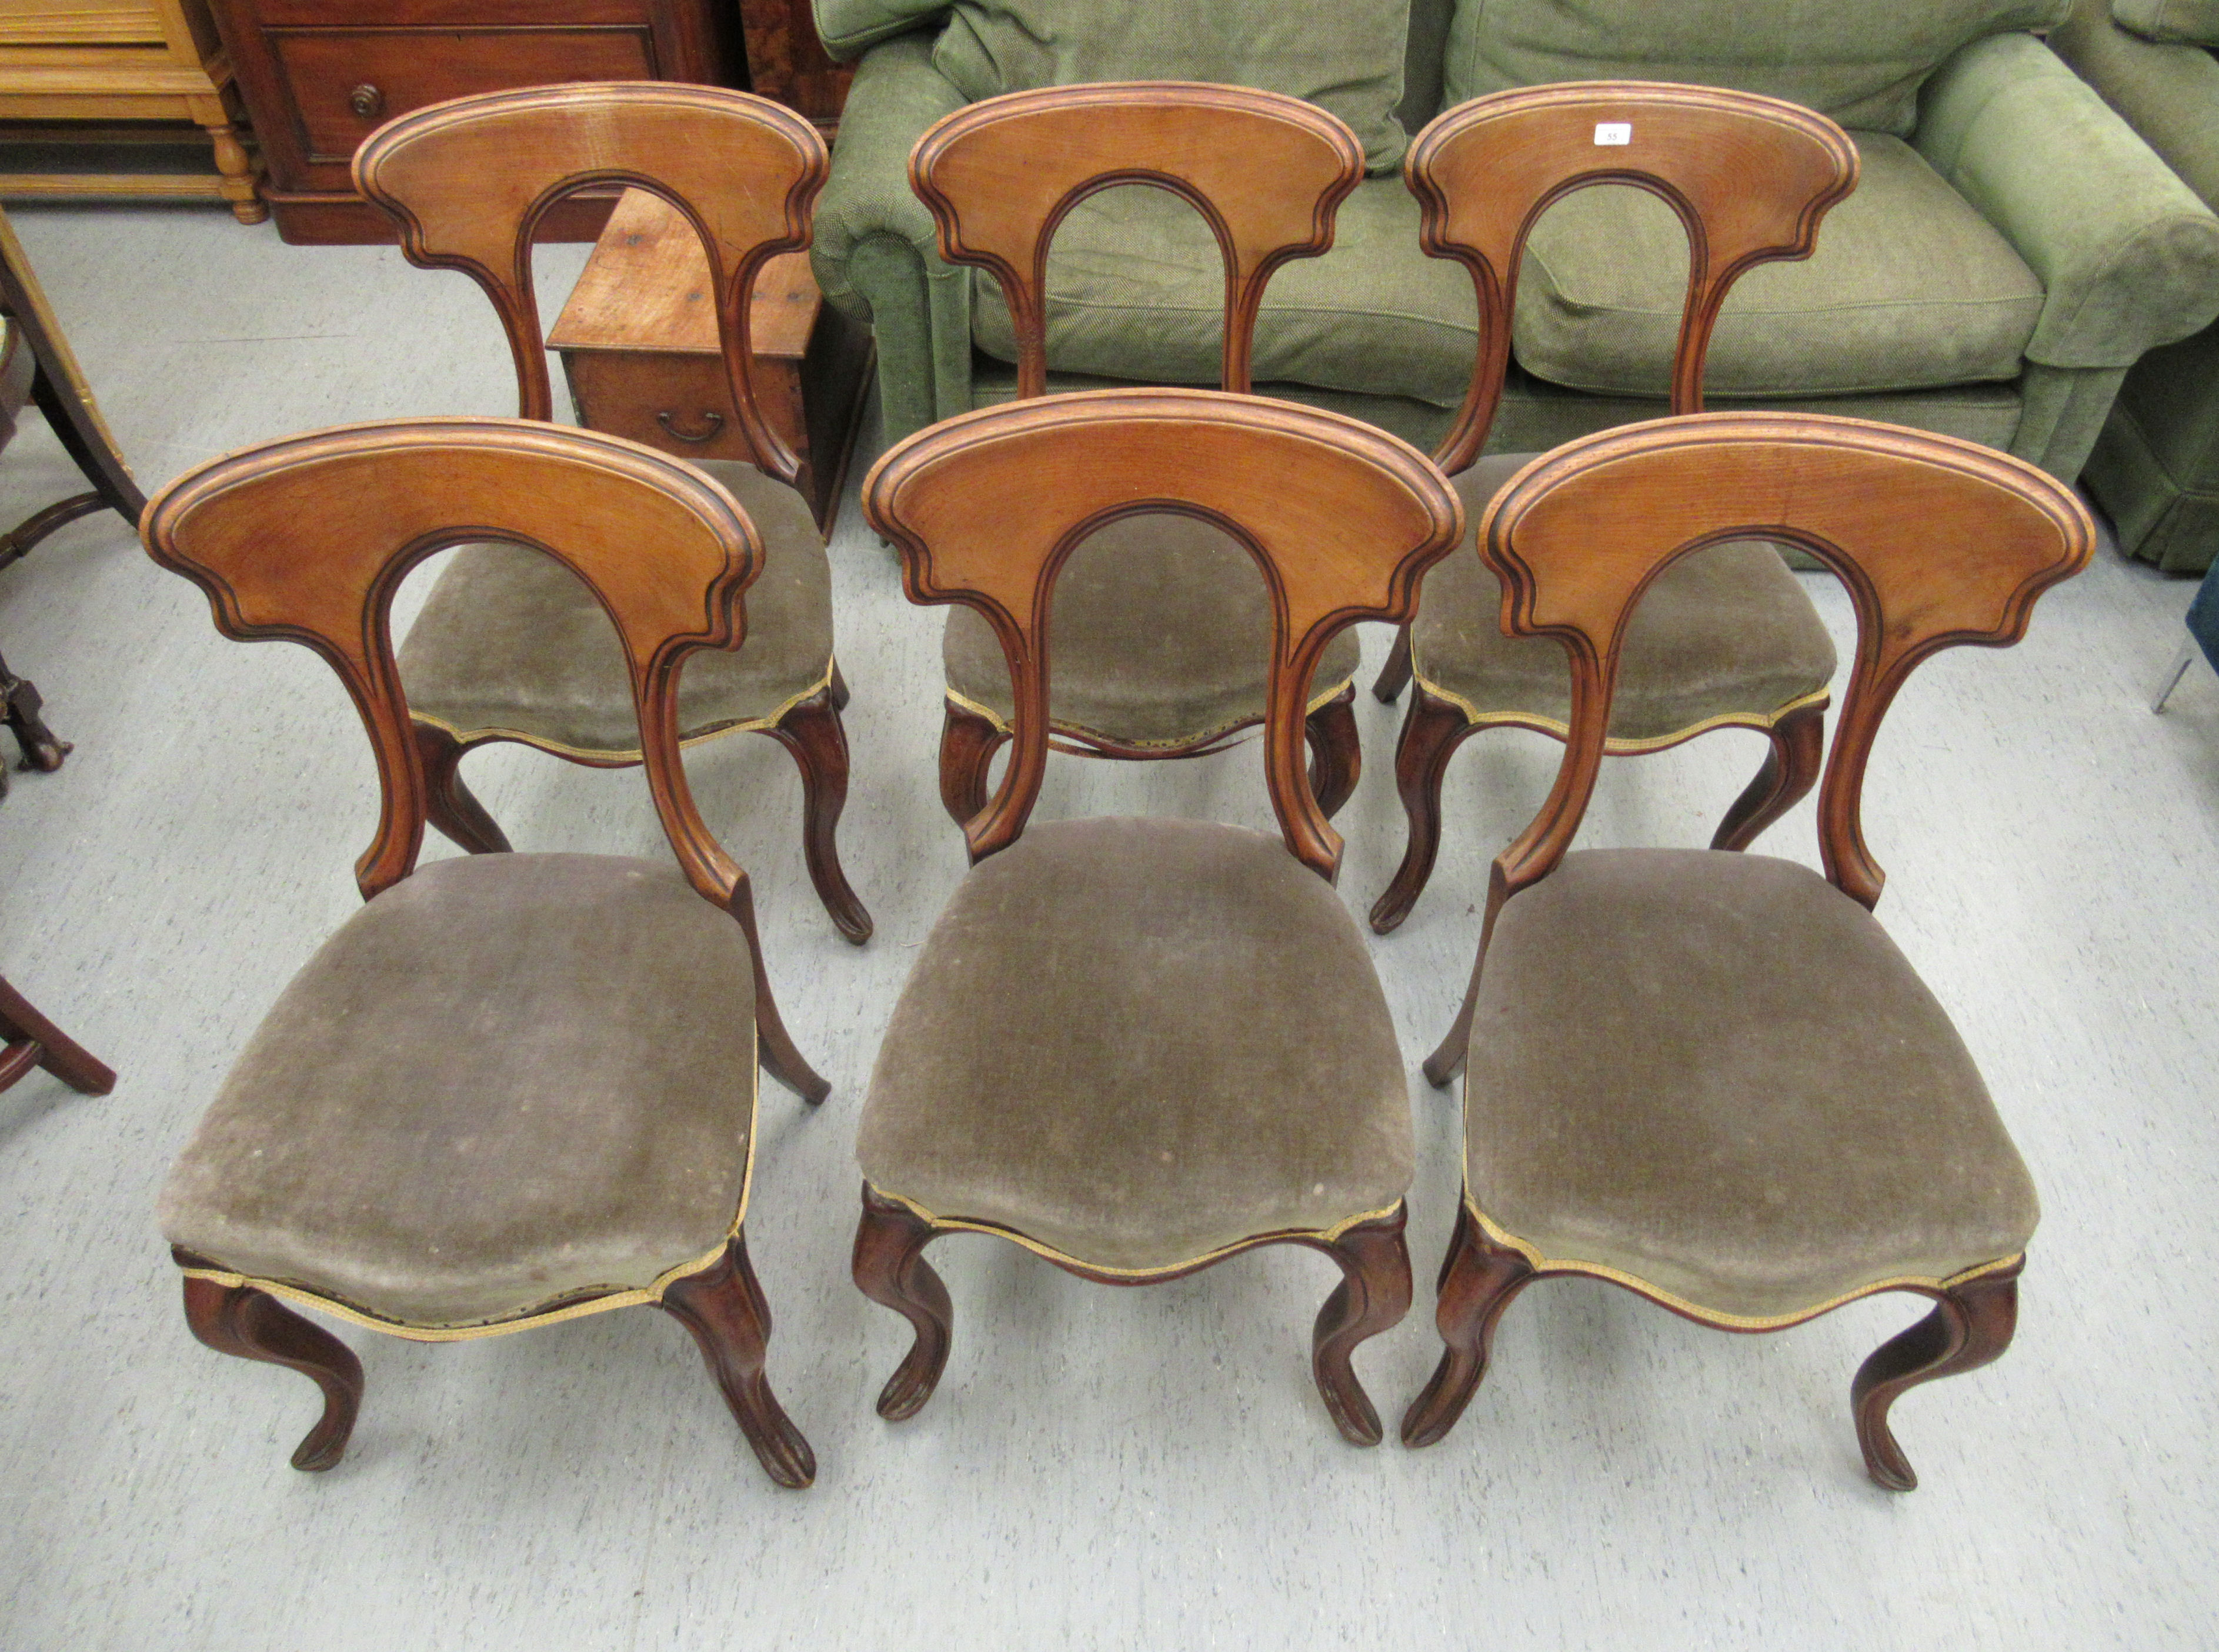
[1478, 1281]
[967, 744]
[251, 1324]
[448, 804]
[891, 1270]
[1433, 729]
[1791, 768]
[724, 1309]
[1373, 1295]
[1336, 753]
[812, 732]
[1969, 1326]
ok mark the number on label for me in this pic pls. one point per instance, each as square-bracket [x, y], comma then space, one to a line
[1613, 132]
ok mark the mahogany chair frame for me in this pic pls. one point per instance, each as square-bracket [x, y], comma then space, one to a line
[1267, 173]
[1576, 538]
[31, 1040]
[258, 531]
[1749, 178]
[469, 182]
[1341, 519]
[37, 366]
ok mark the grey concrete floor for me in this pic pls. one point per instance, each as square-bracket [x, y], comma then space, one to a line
[1101, 1467]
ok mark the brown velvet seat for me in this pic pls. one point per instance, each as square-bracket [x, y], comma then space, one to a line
[1138, 1047]
[508, 1083]
[1189, 1099]
[512, 1089]
[1717, 1074]
[1727, 638]
[1159, 632]
[1720, 632]
[1709, 1076]
[508, 645]
[1117, 674]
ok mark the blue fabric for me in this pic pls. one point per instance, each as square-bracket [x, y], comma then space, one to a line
[2203, 617]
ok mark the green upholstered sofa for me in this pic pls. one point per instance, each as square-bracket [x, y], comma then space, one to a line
[2155, 468]
[2012, 250]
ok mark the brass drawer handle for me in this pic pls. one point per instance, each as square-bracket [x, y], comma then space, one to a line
[367, 101]
[716, 422]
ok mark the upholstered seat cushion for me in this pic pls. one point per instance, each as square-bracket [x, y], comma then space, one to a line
[1136, 290]
[509, 642]
[1139, 1041]
[1160, 633]
[1715, 1072]
[509, 1080]
[1726, 633]
[1909, 288]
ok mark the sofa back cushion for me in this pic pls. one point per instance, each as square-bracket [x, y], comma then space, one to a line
[1861, 61]
[1346, 57]
[2193, 22]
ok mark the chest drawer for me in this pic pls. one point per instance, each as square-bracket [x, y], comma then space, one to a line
[344, 83]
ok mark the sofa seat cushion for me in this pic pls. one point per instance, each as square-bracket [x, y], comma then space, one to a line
[509, 645]
[1136, 291]
[1716, 1073]
[1725, 636]
[1860, 61]
[1159, 634]
[1137, 1042]
[1909, 289]
[509, 1082]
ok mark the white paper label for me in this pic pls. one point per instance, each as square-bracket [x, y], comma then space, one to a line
[1613, 132]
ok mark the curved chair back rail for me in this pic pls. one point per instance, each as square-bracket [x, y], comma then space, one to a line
[1266, 171]
[467, 181]
[1341, 519]
[308, 538]
[1750, 177]
[1939, 542]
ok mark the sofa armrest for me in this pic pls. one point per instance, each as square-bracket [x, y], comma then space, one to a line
[2128, 256]
[876, 251]
[2167, 93]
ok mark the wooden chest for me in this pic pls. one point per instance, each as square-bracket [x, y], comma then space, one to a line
[639, 341]
[320, 76]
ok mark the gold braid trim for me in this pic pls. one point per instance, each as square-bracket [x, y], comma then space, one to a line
[611, 757]
[1621, 748]
[1080, 731]
[1681, 1304]
[966, 1225]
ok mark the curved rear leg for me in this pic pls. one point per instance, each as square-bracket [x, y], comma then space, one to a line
[1336, 754]
[774, 1046]
[448, 804]
[811, 729]
[1478, 1280]
[891, 1270]
[43, 1044]
[723, 1307]
[967, 744]
[1394, 676]
[251, 1324]
[1791, 768]
[1433, 729]
[1373, 1295]
[1969, 1326]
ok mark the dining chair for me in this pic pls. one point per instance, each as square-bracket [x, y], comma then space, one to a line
[1163, 625]
[512, 1089]
[1137, 1046]
[467, 182]
[1726, 639]
[1711, 1078]
[38, 367]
